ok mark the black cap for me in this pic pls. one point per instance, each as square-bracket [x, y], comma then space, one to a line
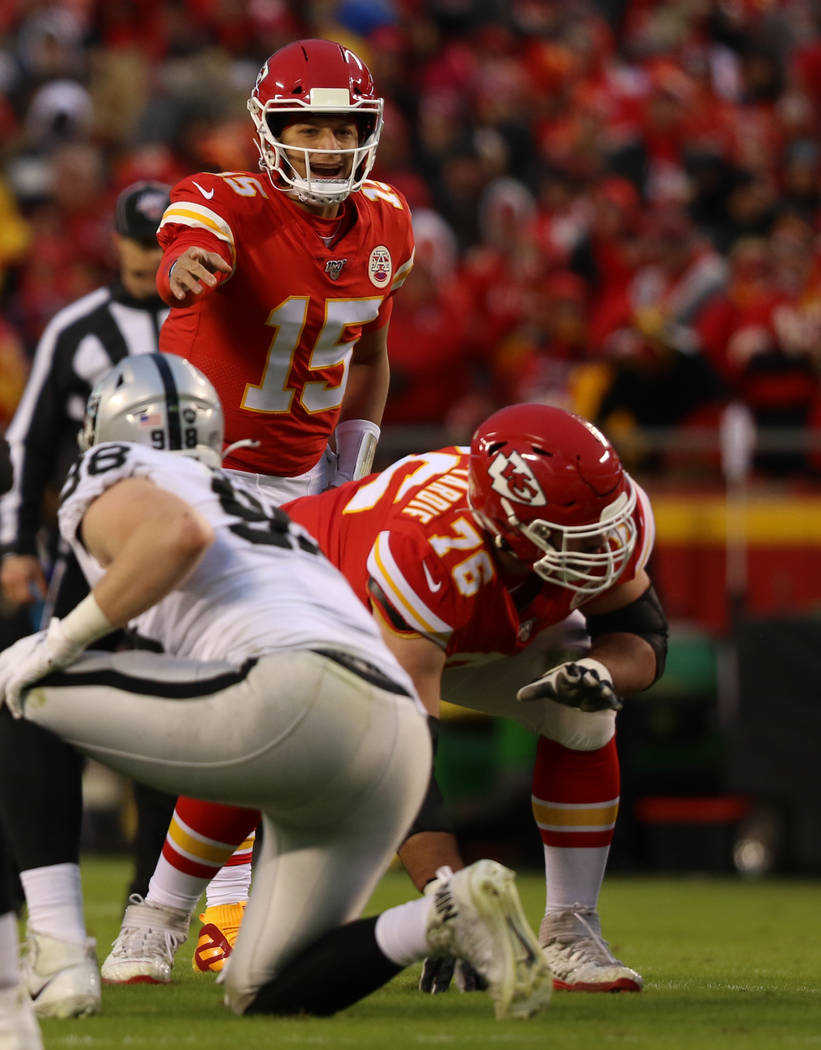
[139, 209]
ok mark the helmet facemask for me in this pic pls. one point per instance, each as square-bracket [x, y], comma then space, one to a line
[587, 559]
[269, 120]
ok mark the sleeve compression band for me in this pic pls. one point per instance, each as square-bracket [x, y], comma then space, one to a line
[644, 617]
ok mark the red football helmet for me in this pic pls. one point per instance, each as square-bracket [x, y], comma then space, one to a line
[312, 77]
[550, 489]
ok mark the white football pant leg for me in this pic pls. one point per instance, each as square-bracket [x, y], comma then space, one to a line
[323, 854]
[317, 479]
[337, 766]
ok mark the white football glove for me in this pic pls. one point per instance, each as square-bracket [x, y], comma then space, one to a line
[32, 658]
[585, 684]
[356, 441]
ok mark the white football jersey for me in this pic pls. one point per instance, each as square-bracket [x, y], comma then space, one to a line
[263, 585]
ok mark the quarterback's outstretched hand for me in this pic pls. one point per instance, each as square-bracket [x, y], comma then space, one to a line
[585, 684]
[438, 971]
[194, 271]
[32, 658]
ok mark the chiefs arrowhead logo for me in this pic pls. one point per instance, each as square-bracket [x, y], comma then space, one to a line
[513, 479]
[263, 73]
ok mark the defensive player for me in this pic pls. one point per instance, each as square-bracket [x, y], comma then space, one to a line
[299, 708]
[467, 556]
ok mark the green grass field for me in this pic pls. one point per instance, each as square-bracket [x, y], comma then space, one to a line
[727, 964]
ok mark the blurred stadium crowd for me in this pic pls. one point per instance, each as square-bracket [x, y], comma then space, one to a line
[617, 204]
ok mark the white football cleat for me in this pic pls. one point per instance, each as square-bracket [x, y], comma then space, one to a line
[144, 950]
[579, 956]
[19, 1029]
[477, 916]
[62, 978]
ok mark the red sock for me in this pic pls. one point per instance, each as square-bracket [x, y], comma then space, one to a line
[575, 794]
[202, 835]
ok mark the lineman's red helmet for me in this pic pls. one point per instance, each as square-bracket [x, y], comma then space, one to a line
[550, 489]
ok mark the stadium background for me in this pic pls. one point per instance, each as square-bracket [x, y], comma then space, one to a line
[617, 209]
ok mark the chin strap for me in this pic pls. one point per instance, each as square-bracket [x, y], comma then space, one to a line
[356, 441]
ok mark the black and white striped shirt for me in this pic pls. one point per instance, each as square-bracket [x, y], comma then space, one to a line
[80, 343]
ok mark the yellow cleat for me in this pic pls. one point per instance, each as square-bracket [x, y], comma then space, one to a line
[218, 935]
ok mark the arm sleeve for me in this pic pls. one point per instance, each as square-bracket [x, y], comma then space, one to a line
[199, 216]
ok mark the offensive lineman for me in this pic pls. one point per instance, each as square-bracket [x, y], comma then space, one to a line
[467, 556]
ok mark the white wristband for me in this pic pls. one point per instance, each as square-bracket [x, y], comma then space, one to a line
[86, 623]
[356, 441]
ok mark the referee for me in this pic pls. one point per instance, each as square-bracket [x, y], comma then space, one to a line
[82, 341]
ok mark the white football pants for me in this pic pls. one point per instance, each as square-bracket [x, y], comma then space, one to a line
[337, 766]
[317, 479]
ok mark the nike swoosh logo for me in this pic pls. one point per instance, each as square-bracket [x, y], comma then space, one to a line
[433, 586]
[529, 957]
[207, 195]
[35, 995]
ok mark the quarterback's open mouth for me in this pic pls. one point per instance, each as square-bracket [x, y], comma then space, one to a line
[334, 172]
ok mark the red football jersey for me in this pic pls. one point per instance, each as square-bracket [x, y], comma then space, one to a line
[275, 336]
[407, 541]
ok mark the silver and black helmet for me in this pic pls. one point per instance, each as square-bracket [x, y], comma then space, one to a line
[159, 400]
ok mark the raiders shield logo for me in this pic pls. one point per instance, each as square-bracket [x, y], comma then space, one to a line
[333, 268]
